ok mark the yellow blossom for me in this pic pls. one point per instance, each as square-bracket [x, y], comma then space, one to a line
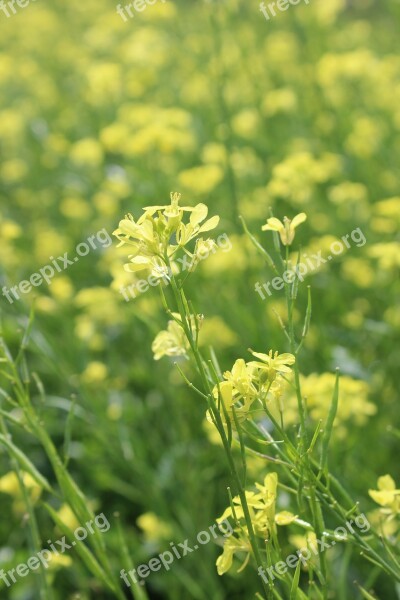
[273, 363]
[9, 484]
[173, 340]
[387, 495]
[286, 229]
[160, 232]
[153, 527]
[262, 509]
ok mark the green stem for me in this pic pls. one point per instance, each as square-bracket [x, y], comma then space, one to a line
[36, 544]
[179, 298]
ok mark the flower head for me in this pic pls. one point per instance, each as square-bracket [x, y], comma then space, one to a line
[172, 212]
[10, 484]
[286, 229]
[387, 495]
[160, 232]
[241, 377]
[170, 342]
[273, 363]
[226, 395]
[262, 508]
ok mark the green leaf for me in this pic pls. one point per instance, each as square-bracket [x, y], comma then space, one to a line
[295, 583]
[366, 594]
[25, 463]
[257, 244]
[326, 438]
[82, 550]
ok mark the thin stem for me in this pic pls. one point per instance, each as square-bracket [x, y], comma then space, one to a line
[186, 324]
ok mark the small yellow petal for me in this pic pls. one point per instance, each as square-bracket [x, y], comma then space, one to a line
[210, 224]
[386, 482]
[198, 214]
[273, 224]
[285, 518]
[298, 219]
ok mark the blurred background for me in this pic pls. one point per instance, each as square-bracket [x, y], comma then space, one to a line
[101, 116]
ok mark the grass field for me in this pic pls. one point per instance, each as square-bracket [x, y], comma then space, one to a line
[200, 323]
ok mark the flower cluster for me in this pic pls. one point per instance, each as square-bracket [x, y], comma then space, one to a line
[354, 407]
[262, 508]
[156, 237]
[246, 383]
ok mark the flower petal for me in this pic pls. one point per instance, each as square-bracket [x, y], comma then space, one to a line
[273, 224]
[298, 219]
[285, 358]
[263, 357]
[285, 518]
[386, 483]
[198, 214]
[210, 224]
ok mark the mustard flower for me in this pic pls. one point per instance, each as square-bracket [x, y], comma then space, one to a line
[9, 484]
[232, 546]
[156, 266]
[286, 229]
[224, 392]
[202, 250]
[387, 495]
[160, 232]
[273, 363]
[187, 232]
[171, 342]
[172, 211]
[262, 508]
[241, 378]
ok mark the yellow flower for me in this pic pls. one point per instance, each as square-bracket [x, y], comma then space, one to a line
[247, 382]
[193, 228]
[354, 408]
[173, 211]
[201, 180]
[156, 266]
[202, 250]
[285, 518]
[87, 152]
[386, 495]
[231, 546]
[286, 229]
[224, 392]
[153, 527]
[96, 372]
[241, 377]
[263, 517]
[160, 232]
[67, 516]
[173, 340]
[9, 484]
[59, 561]
[305, 542]
[273, 364]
